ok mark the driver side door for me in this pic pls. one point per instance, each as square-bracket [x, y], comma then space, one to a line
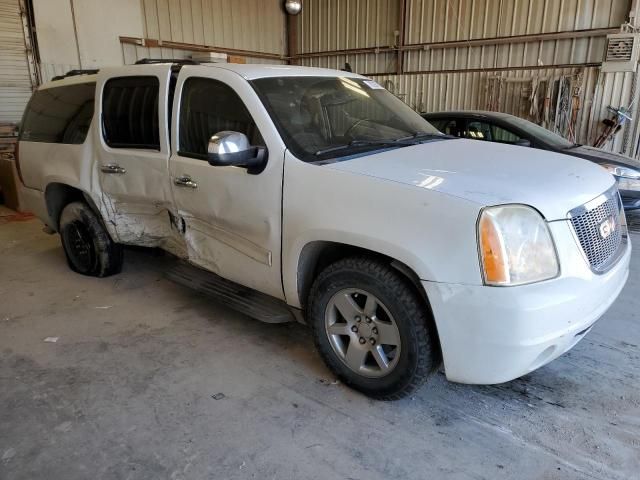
[230, 218]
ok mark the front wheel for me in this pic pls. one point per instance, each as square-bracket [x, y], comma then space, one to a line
[87, 245]
[371, 328]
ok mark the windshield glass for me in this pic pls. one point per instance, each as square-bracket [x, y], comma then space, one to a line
[547, 136]
[316, 114]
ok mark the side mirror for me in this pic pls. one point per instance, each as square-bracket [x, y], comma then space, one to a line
[232, 149]
[523, 142]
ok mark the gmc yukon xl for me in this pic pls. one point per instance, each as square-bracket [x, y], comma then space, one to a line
[319, 194]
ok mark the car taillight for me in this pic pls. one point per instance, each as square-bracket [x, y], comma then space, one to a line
[16, 157]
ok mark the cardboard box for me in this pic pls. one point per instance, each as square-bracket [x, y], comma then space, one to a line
[9, 182]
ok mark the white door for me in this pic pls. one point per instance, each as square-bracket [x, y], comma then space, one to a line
[133, 152]
[232, 217]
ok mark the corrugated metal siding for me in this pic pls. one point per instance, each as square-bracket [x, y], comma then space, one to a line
[256, 25]
[345, 24]
[453, 20]
[15, 79]
[342, 24]
[472, 91]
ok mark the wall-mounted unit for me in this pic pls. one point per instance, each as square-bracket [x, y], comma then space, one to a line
[622, 52]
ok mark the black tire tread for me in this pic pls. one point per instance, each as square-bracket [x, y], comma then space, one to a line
[110, 254]
[428, 356]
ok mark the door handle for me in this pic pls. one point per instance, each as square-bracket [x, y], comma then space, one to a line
[112, 168]
[185, 181]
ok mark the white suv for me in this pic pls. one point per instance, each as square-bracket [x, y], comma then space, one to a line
[319, 191]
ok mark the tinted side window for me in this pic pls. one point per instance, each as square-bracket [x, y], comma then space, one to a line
[493, 133]
[208, 107]
[59, 114]
[448, 126]
[130, 112]
[499, 134]
[478, 131]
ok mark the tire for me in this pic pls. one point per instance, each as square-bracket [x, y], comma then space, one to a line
[87, 245]
[348, 286]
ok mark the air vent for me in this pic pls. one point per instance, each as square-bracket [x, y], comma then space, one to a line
[622, 53]
[619, 49]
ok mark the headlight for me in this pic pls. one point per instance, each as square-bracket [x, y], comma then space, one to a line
[620, 171]
[627, 178]
[515, 246]
[628, 184]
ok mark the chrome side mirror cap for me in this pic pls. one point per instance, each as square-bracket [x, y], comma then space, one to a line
[232, 149]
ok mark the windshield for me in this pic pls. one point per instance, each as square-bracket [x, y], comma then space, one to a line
[547, 136]
[317, 116]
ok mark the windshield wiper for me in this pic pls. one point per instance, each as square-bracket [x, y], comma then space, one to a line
[396, 142]
[421, 135]
[363, 143]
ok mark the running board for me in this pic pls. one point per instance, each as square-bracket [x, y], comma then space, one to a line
[243, 299]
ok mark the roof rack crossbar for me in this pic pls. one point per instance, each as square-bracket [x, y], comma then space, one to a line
[76, 72]
[177, 61]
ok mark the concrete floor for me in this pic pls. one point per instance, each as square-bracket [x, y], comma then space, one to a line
[128, 391]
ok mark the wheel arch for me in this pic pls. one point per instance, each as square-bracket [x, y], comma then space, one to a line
[317, 255]
[58, 195]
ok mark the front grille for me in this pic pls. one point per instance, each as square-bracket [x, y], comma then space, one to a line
[588, 221]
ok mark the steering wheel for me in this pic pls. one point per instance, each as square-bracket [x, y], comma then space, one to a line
[355, 124]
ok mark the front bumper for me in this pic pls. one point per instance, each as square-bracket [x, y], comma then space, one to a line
[495, 334]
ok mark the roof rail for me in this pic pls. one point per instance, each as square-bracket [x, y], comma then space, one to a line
[73, 73]
[181, 61]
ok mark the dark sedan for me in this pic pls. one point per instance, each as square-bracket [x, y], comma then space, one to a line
[504, 128]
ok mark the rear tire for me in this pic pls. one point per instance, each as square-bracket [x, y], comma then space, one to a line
[87, 245]
[372, 329]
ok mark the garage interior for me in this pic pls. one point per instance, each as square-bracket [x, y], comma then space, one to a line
[136, 377]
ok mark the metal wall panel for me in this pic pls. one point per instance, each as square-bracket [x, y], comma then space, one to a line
[339, 24]
[471, 91]
[455, 20]
[257, 25]
[346, 24]
[326, 25]
[15, 76]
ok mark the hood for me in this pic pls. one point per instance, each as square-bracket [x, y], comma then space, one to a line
[489, 174]
[602, 156]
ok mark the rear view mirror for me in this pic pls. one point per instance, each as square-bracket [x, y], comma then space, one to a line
[523, 142]
[232, 149]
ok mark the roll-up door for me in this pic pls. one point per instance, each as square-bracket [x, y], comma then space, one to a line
[15, 75]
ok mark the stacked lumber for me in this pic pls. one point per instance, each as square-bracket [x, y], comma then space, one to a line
[8, 175]
[8, 139]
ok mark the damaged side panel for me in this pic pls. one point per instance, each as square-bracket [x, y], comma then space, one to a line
[132, 156]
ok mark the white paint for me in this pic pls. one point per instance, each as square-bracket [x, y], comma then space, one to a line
[499, 174]
[493, 335]
[418, 205]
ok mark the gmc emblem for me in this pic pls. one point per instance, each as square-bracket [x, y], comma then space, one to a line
[607, 227]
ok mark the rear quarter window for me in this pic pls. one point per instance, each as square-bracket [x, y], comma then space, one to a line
[59, 114]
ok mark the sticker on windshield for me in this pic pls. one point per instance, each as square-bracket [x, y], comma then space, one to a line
[373, 85]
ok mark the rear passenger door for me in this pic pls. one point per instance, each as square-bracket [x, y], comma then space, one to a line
[133, 151]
